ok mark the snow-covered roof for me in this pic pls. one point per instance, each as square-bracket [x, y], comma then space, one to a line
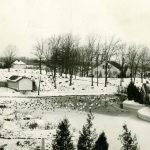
[15, 78]
[18, 62]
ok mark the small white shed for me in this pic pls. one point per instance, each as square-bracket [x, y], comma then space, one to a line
[20, 83]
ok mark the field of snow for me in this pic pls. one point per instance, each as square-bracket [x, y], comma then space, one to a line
[112, 125]
[18, 120]
[26, 118]
[80, 86]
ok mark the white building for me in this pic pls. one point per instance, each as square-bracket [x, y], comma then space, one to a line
[19, 65]
[113, 72]
[20, 83]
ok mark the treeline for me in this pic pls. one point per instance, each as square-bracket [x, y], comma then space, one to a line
[26, 60]
[88, 139]
[64, 54]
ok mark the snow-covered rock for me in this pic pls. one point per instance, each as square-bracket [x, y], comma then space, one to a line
[131, 105]
[144, 113]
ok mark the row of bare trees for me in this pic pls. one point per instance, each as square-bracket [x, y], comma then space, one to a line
[64, 54]
[134, 58]
[59, 54]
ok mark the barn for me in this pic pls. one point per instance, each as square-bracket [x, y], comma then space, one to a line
[20, 83]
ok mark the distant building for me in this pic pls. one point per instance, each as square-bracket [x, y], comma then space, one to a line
[19, 65]
[20, 83]
[113, 72]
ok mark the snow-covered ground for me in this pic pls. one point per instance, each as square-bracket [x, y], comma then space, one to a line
[80, 85]
[112, 125]
[20, 113]
[23, 112]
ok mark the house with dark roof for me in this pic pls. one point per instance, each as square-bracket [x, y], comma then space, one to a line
[20, 83]
[113, 72]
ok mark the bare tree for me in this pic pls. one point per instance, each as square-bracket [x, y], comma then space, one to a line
[9, 56]
[144, 61]
[134, 57]
[110, 48]
[76, 59]
[39, 52]
[121, 63]
[99, 58]
[86, 59]
[69, 49]
[132, 54]
[52, 54]
[91, 51]
[81, 61]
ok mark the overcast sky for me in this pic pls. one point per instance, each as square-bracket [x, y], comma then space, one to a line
[22, 22]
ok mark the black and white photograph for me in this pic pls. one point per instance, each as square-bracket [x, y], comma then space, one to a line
[74, 75]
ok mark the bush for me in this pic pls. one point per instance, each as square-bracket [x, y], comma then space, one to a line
[33, 125]
[128, 142]
[38, 148]
[63, 138]
[87, 136]
[133, 93]
[49, 126]
[19, 144]
[138, 97]
[101, 143]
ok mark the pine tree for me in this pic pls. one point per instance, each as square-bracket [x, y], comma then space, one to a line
[131, 91]
[101, 143]
[128, 142]
[62, 139]
[87, 136]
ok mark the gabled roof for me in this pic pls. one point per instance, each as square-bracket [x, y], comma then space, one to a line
[15, 78]
[18, 62]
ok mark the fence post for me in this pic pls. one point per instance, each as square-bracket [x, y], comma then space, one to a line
[43, 144]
